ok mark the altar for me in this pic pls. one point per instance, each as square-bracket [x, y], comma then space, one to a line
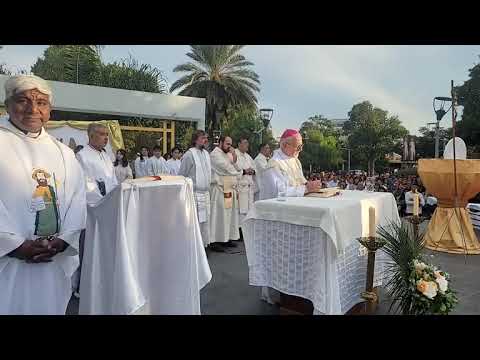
[306, 247]
[143, 252]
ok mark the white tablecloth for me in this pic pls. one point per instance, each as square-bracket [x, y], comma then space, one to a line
[321, 263]
[144, 251]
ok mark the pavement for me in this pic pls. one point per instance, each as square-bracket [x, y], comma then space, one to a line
[229, 293]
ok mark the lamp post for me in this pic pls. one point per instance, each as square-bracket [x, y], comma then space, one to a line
[266, 116]
[439, 109]
[348, 149]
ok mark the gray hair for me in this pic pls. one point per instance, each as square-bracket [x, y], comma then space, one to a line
[93, 127]
[20, 83]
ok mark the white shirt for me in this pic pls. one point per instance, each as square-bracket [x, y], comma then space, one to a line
[97, 166]
[332, 184]
[122, 173]
[173, 166]
[157, 166]
[409, 201]
[141, 167]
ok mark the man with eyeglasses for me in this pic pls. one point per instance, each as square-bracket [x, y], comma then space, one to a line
[285, 170]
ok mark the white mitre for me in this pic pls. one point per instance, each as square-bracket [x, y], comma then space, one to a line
[460, 149]
[20, 83]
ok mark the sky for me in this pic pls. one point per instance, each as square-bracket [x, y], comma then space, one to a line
[302, 81]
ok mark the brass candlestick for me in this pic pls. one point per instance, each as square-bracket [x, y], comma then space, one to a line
[372, 244]
[416, 220]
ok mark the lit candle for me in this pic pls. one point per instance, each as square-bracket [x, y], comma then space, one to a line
[415, 204]
[371, 221]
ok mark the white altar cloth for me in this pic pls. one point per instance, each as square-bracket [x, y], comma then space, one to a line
[307, 247]
[144, 251]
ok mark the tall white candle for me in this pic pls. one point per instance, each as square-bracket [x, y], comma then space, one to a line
[371, 221]
[416, 199]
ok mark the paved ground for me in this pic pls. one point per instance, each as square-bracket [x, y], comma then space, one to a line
[229, 293]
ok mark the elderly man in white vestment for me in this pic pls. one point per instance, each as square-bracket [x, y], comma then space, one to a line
[100, 177]
[285, 174]
[42, 205]
[246, 184]
[96, 164]
[261, 164]
[196, 166]
[224, 225]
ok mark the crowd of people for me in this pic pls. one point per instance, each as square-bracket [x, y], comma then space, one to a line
[401, 186]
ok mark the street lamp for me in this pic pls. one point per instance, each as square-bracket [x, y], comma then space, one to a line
[348, 149]
[439, 109]
[266, 116]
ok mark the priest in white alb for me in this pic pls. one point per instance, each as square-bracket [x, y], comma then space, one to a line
[96, 164]
[261, 164]
[157, 165]
[285, 174]
[42, 205]
[196, 166]
[224, 225]
[246, 184]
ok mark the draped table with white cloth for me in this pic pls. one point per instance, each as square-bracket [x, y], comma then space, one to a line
[307, 246]
[143, 251]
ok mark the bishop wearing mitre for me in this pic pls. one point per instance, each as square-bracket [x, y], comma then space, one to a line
[284, 173]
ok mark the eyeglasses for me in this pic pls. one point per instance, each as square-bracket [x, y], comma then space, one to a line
[298, 148]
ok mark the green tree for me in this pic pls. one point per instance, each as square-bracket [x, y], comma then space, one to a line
[469, 97]
[221, 75]
[372, 133]
[321, 147]
[321, 123]
[244, 121]
[129, 74]
[425, 143]
[69, 63]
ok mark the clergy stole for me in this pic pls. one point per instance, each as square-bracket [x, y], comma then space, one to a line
[228, 191]
[243, 196]
[203, 178]
[291, 168]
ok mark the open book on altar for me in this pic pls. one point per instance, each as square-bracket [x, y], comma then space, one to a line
[325, 193]
[154, 178]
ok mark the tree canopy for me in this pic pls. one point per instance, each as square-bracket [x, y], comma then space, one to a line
[221, 75]
[372, 132]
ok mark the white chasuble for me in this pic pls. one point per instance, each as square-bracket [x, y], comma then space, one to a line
[224, 197]
[285, 171]
[43, 193]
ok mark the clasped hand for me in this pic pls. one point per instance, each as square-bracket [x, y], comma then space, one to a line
[40, 250]
[313, 186]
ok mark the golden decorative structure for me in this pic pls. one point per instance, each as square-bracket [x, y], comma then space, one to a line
[165, 130]
[450, 229]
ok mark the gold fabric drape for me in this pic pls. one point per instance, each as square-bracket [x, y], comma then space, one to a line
[450, 229]
[116, 138]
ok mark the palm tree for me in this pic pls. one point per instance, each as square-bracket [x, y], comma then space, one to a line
[221, 75]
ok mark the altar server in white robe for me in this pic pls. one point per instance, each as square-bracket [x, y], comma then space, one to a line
[285, 170]
[224, 201]
[285, 174]
[141, 163]
[196, 166]
[246, 184]
[157, 164]
[42, 205]
[175, 161]
[261, 164]
[96, 164]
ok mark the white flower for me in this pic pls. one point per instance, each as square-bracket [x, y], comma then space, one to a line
[419, 266]
[442, 283]
[427, 288]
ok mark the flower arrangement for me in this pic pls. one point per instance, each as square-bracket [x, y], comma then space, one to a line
[415, 287]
